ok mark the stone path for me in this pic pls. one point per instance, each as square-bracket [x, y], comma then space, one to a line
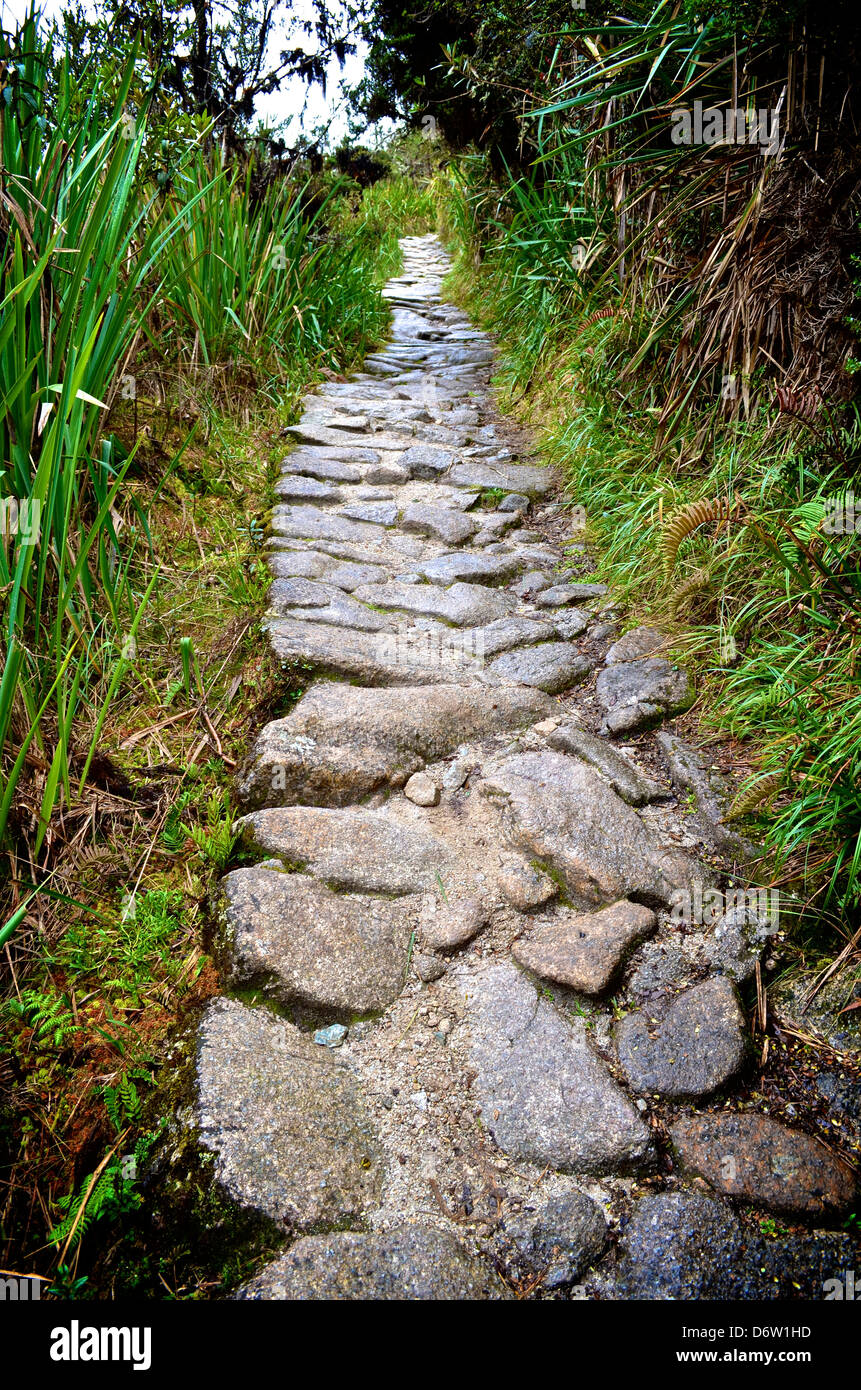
[472, 1045]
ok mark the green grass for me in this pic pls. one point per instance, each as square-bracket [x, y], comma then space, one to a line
[765, 608]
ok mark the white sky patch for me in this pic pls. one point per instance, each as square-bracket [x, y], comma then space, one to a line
[301, 109]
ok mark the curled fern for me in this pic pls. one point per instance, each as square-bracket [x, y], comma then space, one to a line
[694, 584]
[695, 514]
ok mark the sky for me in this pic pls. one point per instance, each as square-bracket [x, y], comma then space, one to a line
[294, 96]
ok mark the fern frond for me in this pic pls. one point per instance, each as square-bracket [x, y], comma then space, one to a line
[684, 522]
[754, 794]
[699, 580]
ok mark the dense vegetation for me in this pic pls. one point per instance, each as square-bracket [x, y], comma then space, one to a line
[680, 321]
[682, 318]
[163, 305]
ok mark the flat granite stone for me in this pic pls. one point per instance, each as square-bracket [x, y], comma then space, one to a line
[452, 924]
[755, 1159]
[320, 603]
[355, 849]
[558, 810]
[479, 569]
[505, 633]
[460, 604]
[297, 488]
[625, 779]
[411, 1263]
[284, 1120]
[426, 462]
[299, 564]
[570, 623]
[304, 522]
[545, 1095]
[342, 742]
[636, 694]
[336, 953]
[584, 950]
[304, 646]
[447, 525]
[551, 666]
[329, 465]
[531, 482]
[350, 575]
[635, 644]
[686, 1047]
[689, 1247]
[524, 886]
[377, 513]
[557, 595]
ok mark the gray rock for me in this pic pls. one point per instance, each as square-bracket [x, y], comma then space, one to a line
[311, 523]
[688, 1247]
[636, 694]
[620, 772]
[550, 666]
[584, 951]
[560, 811]
[342, 742]
[429, 967]
[531, 482]
[572, 623]
[447, 525]
[681, 1245]
[296, 488]
[453, 924]
[513, 502]
[339, 953]
[425, 461]
[545, 1096]
[480, 569]
[350, 576]
[283, 1119]
[368, 658]
[422, 790]
[411, 1263]
[353, 849]
[322, 603]
[525, 887]
[685, 1047]
[299, 564]
[581, 592]
[460, 604]
[378, 513]
[386, 472]
[635, 644]
[558, 595]
[329, 465]
[531, 583]
[558, 1236]
[690, 772]
[824, 1012]
[505, 633]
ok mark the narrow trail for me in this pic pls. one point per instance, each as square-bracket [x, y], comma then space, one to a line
[503, 1042]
